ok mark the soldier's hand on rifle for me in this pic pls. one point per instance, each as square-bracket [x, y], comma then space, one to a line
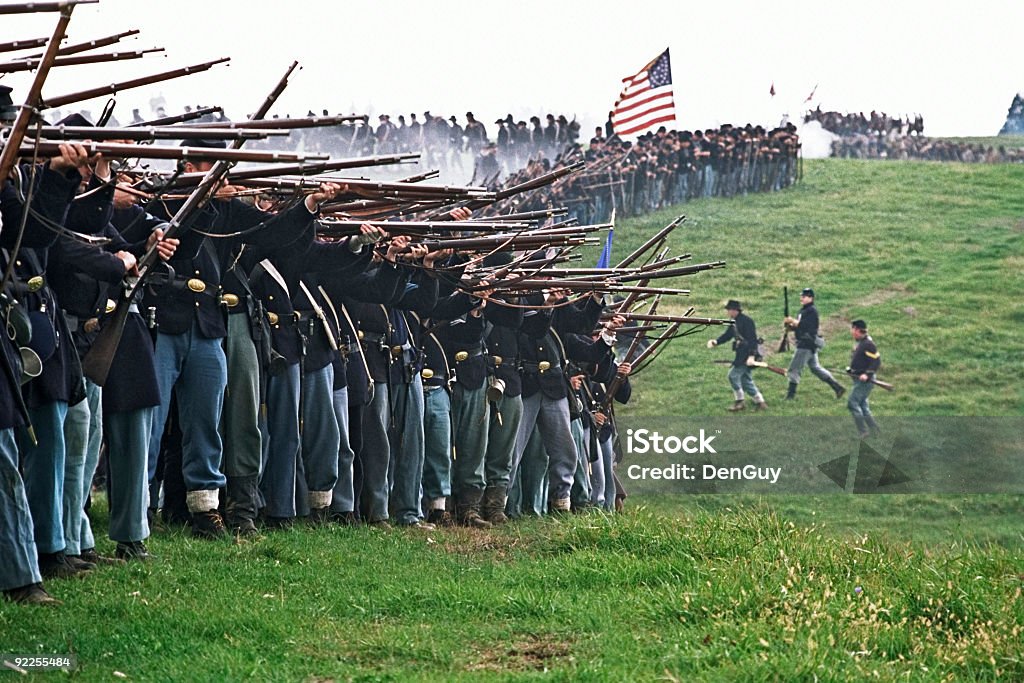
[712, 343]
[576, 381]
[864, 377]
[416, 252]
[72, 155]
[614, 323]
[165, 248]
[624, 369]
[398, 243]
[368, 234]
[128, 258]
[122, 199]
[556, 295]
[600, 418]
[790, 322]
[326, 193]
[433, 257]
[460, 214]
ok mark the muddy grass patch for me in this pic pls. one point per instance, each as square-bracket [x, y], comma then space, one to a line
[535, 652]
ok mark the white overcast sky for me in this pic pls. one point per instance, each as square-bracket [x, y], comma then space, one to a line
[959, 64]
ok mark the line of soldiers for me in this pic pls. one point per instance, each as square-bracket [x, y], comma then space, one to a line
[307, 378]
[904, 148]
[443, 141]
[874, 123]
[665, 167]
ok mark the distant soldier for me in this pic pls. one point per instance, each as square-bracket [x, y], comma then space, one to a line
[805, 327]
[744, 336]
[863, 364]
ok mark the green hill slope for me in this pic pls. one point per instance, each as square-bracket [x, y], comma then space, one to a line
[929, 254]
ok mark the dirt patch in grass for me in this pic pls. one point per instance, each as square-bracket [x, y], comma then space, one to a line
[880, 296]
[532, 653]
[475, 542]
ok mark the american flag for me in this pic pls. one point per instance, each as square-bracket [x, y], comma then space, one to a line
[646, 99]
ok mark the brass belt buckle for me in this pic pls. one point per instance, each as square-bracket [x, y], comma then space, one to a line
[427, 373]
[461, 356]
[230, 300]
[359, 335]
[35, 283]
[110, 306]
[196, 285]
[543, 366]
[498, 360]
[272, 317]
[396, 351]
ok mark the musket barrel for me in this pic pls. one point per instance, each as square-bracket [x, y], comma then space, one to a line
[151, 133]
[112, 149]
[187, 116]
[305, 122]
[31, 63]
[33, 7]
[128, 85]
[23, 44]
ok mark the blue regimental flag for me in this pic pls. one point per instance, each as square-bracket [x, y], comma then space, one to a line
[606, 254]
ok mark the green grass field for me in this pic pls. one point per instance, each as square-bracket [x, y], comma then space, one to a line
[679, 588]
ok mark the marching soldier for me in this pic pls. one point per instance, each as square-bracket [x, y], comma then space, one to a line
[744, 336]
[864, 363]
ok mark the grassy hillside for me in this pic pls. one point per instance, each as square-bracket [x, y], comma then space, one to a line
[929, 254]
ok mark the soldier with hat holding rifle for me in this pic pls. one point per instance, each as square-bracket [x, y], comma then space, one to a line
[744, 342]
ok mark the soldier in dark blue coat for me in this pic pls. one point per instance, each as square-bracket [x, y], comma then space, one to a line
[59, 384]
[864, 363]
[130, 394]
[54, 187]
[191, 322]
[545, 388]
[805, 329]
[743, 334]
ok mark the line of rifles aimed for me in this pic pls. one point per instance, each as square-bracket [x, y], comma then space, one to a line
[541, 240]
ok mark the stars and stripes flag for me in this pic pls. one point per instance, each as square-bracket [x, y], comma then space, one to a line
[646, 98]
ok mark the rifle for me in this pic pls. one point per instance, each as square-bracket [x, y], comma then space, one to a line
[33, 7]
[188, 116]
[617, 381]
[113, 149]
[32, 62]
[781, 371]
[186, 179]
[93, 44]
[784, 343]
[97, 362]
[134, 83]
[23, 44]
[151, 133]
[304, 122]
[340, 228]
[681, 319]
